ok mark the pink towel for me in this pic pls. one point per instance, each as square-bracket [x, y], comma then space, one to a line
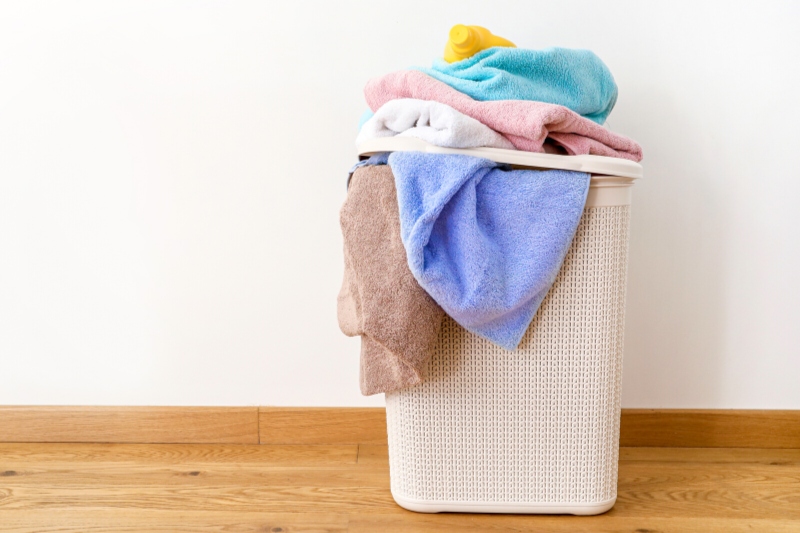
[525, 123]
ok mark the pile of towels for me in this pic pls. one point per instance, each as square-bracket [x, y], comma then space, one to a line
[429, 234]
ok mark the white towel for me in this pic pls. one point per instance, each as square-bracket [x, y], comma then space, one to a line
[433, 122]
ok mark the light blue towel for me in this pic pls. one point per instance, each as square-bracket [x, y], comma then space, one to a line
[484, 241]
[365, 116]
[576, 79]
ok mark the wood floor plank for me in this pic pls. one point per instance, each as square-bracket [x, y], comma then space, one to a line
[128, 521]
[129, 424]
[373, 455]
[138, 521]
[770, 456]
[645, 489]
[340, 488]
[708, 490]
[322, 425]
[676, 481]
[262, 478]
[709, 428]
[458, 523]
[376, 455]
[275, 499]
[69, 477]
[298, 455]
[764, 485]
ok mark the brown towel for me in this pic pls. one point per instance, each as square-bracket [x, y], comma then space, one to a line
[380, 299]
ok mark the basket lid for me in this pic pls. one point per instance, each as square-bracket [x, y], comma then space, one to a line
[592, 164]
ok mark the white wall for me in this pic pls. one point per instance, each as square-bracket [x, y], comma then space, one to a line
[171, 174]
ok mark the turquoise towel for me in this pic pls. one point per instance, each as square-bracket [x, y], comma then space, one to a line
[576, 79]
[484, 241]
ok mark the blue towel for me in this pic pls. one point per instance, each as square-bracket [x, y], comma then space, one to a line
[484, 241]
[576, 79]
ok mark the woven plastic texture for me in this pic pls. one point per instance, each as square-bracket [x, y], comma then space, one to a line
[538, 425]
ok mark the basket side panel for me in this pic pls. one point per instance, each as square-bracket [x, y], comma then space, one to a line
[539, 424]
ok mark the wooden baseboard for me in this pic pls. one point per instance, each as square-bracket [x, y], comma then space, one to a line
[322, 425]
[710, 428]
[689, 428]
[129, 424]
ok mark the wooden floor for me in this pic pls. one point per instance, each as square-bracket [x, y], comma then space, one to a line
[339, 488]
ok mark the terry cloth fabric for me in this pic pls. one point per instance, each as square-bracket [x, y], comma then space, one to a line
[526, 124]
[381, 158]
[576, 79]
[433, 122]
[365, 116]
[380, 299]
[484, 241]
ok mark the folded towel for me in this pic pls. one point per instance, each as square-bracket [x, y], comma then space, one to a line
[526, 124]
[484, 241]
[433, 122]
[576, 79]
[380, 299]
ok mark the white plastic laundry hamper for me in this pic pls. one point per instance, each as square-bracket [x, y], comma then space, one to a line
[534, 430]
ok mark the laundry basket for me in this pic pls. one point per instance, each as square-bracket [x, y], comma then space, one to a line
[534, 430]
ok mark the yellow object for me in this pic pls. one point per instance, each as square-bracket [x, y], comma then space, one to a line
[466, 41]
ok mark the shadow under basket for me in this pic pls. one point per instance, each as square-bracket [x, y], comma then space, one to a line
[534, 430]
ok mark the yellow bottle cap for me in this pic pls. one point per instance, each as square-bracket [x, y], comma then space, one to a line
[461, 37]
